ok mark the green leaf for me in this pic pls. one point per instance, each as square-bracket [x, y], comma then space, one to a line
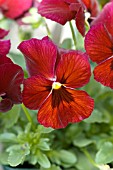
[105, 153]
[67, 157]
[98, 117]
[43, 160]
[10, 118]
[83, 163]
[4, 158]
[17, 154]
[43, 145]
[7, 137]
[42, 129]
[81, 141]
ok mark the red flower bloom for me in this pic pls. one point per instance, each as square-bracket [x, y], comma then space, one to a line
[62, 11]
[14, 9]
[99, 46]
[11, 76]
[54, 75]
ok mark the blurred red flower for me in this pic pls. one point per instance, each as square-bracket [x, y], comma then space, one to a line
[54, 74]
[14, 9]
[99, 45]
[11, 77]
[62, 11]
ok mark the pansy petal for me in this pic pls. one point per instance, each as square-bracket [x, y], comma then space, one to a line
[65, 106]
[99, 43]
[106, 17]
[80, 21]
[56, 10]
[103, 73]
[73, 69]
[4, 47]
[11, 76]
[4, 60]
[13, 10]
[5, 105]
[3, 33]
[36, 90]
[40, 56]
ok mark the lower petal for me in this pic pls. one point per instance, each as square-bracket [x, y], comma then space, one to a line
[103, 73]
[71, 106]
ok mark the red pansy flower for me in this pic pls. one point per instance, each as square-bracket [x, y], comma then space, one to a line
[62, 11]
[99, 46]
[54, 74]
[14, 9]
[11, 76]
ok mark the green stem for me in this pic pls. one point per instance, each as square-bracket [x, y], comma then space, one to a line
[89, 157]
[28, 115]
[73, 33]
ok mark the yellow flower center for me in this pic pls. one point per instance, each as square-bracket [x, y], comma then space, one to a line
[56, 85]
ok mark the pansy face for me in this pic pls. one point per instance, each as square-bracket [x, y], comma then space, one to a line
[50, 87]
[66, 10]
[11, 76]
[14, 10]
[99, 46]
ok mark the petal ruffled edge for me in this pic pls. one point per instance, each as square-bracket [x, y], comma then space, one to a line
[40, 56]
[68, 111]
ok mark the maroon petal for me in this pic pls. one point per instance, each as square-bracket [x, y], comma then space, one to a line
[4, 47]
[5, 105]
[11, 77]
[40, 56]
[58, 11]
[73, 69]
[4, 60]
[3, 33]
[80, 21]
[13, 10]
[99, 43]
[106, 17]
[36, 90]
[65, 106]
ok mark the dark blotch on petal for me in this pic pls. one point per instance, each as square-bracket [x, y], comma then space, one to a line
[61, 95]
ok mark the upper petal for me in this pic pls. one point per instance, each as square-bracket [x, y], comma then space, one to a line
[99, 43]
[3, 33]
[11, 77]
[73, 69]
[58, 11]
[106, 17]
[103, 73]
[13, 10]
[4, 47]
[65, 106]
[36, 90]
[40, 56]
